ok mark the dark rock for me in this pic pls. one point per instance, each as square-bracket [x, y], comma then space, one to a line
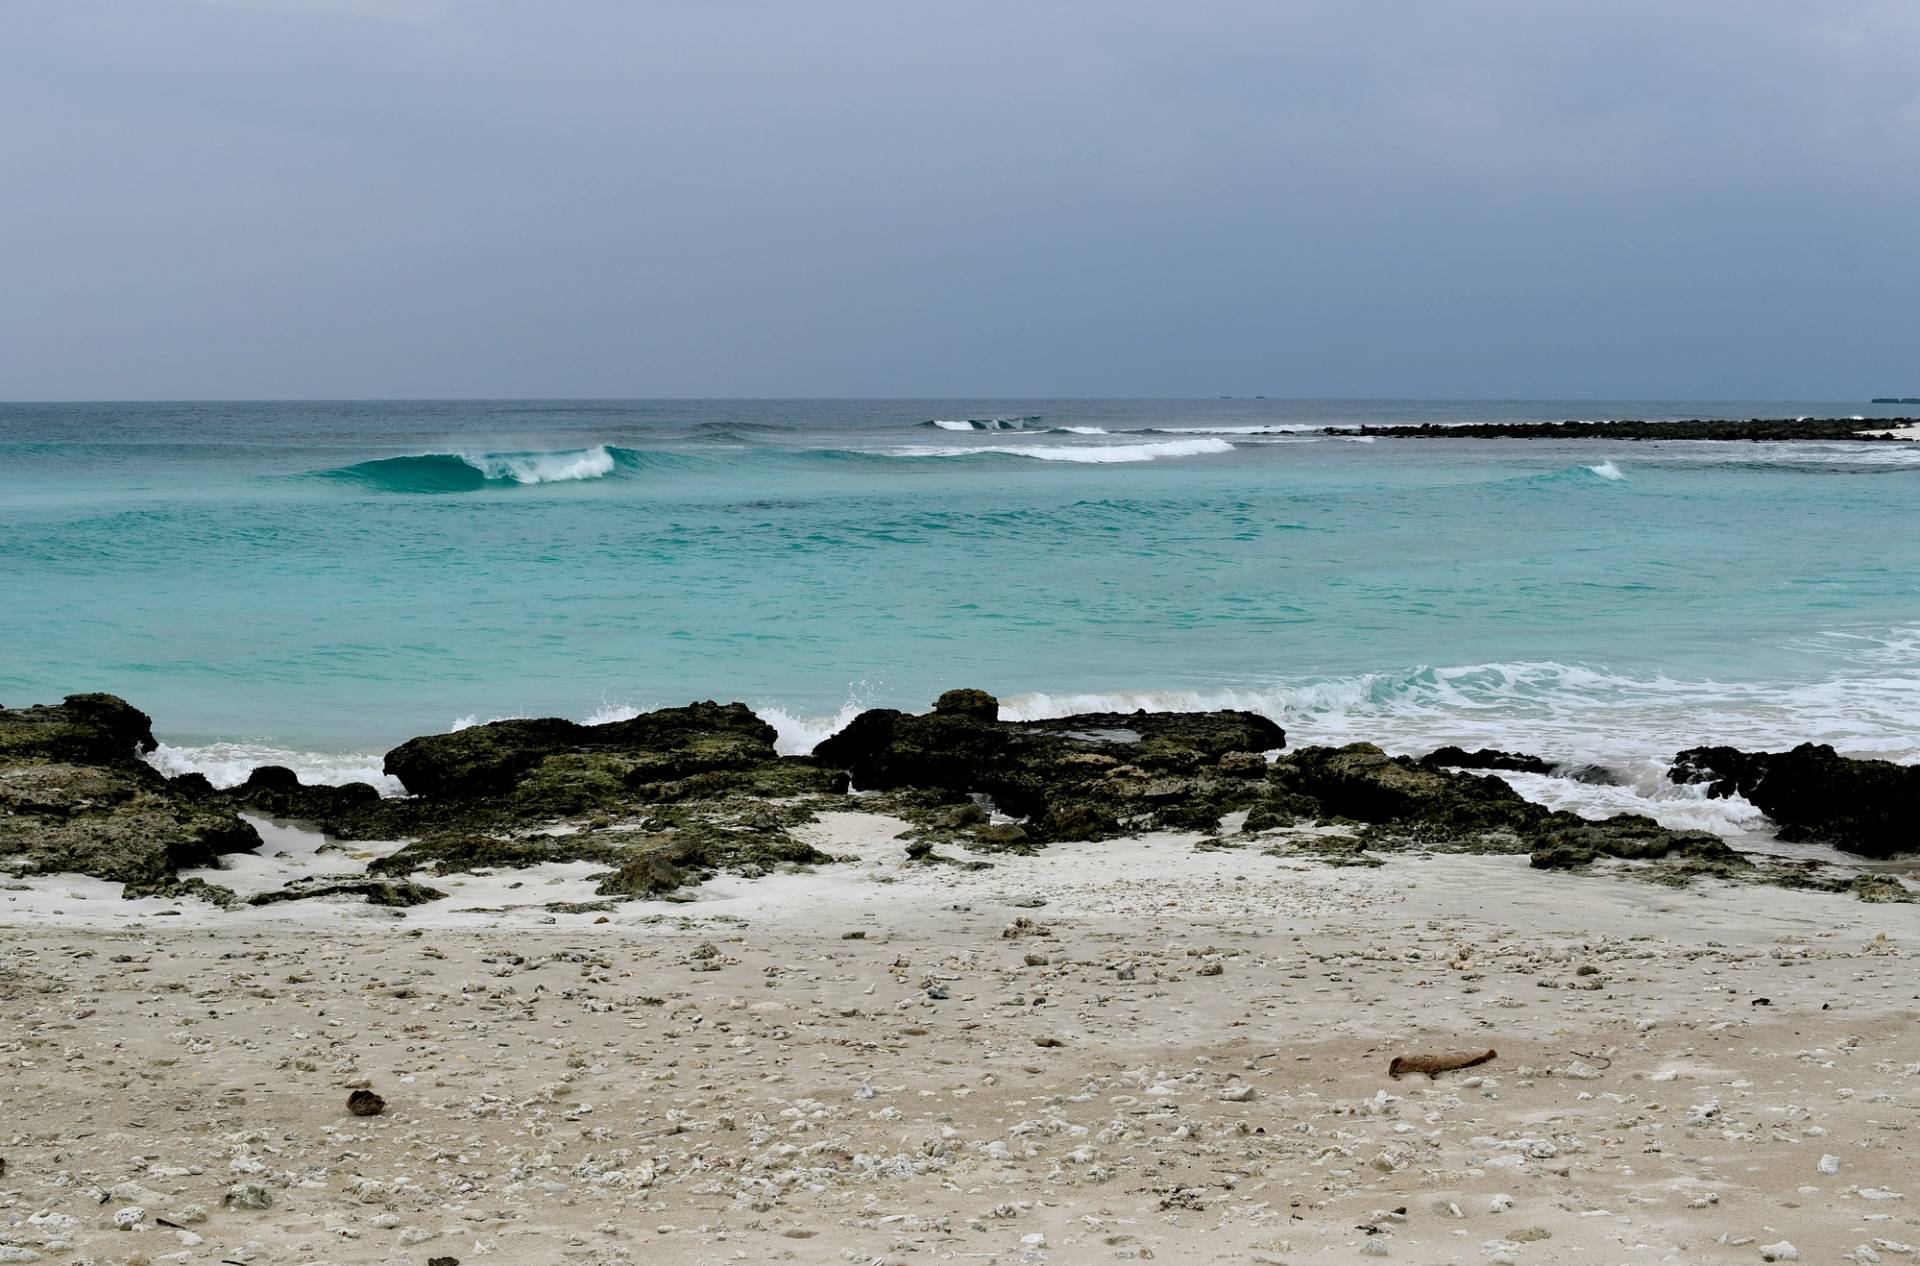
[1868, 807]
[1485, 758]
[1079, 820]
[1565, 841]
[1243, 765]
[465, 853]
[1592, 775]
[1882, 888]
[1361, 782]
[976, 704]
[74, 796]
[378, 892]
[672, 743]
[649, 875]
[1078, 777]
[1193, 816]
[277, 792]
[90, 729]
[693, 849]
[365, 1103]
[177, 889]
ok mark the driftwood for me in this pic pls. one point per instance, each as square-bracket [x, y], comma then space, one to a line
[1434, 1065]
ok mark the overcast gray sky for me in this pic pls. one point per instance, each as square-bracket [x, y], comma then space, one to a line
[268, 198]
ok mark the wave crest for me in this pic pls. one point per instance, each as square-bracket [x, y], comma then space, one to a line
[471, 472]
[229, 764]
[985, 424]
[1094, 454]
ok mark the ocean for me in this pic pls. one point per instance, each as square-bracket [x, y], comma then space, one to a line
[310, 583]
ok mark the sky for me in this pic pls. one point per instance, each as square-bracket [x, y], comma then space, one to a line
[667, 198]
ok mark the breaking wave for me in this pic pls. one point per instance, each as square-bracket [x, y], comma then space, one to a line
[228, 764]
[985, 424]
[470, 472]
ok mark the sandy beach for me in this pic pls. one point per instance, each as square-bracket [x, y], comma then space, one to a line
[1152, 1047]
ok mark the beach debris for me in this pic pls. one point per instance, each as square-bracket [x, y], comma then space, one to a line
[1783, 1251]
[247, 1195]
[365, 1103]
[1433, 1064]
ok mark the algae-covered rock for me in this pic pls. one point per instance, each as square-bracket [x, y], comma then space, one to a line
[976, 704]
[1564, 841]
[1361, 782]
[178, 889]
[1073, 778]
[1882, 888]
[491, 759]
[378, 892]
[277, 792]
[466, 853]
[1866, 807]
[88, 729]
[692, 852]
[74, 796]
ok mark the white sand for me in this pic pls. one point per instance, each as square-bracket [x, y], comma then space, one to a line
[1898, 432]
[731, 1080]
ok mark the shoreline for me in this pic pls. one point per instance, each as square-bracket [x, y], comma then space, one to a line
[649, 991]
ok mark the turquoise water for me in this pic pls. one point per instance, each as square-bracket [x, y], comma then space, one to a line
[315, 582]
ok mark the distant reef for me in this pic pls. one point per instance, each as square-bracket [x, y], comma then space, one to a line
[664, 800]
[1756, 429]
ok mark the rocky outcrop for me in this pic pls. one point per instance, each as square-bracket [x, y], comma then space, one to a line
[1867, 807]
[1564, 841]
[511, 772]
[1089, 776]
[277, 792]
[1361, 782]
[74, 796]
[92, 729]
[377, 892]
[1485, 758]
[673, 743]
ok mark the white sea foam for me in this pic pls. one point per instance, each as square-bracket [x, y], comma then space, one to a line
[799, 734]
[1607, 470]
[228, 764]
[1102, 453]
[1269, 428]
[953, 424]
[543, 468]
[1645, 789]
[1085, 430]
[1568, 713]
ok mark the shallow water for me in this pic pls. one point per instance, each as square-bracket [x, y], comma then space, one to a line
[310, 583]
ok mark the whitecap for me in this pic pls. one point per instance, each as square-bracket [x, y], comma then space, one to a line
[229, 764]
[543, 468]
[1607, 470]
[1103, 453]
